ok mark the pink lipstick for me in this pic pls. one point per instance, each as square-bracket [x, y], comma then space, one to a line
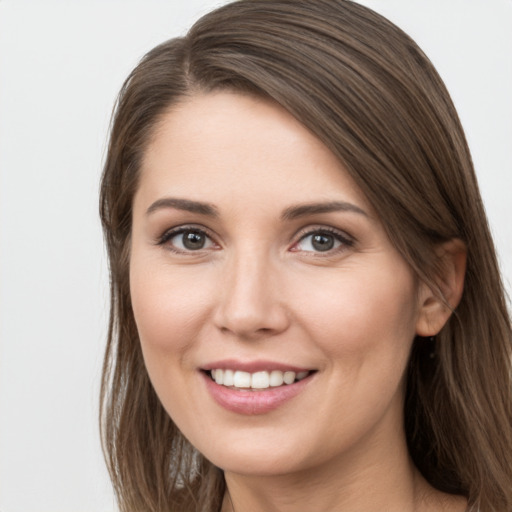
[256, 387]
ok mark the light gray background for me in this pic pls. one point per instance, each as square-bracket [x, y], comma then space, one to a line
[61, 65]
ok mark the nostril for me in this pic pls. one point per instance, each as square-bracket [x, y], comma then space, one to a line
[249, 309]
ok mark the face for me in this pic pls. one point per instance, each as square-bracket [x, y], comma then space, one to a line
[256, 261]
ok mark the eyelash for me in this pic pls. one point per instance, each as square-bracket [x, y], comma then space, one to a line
[345, 240]
[170, 234]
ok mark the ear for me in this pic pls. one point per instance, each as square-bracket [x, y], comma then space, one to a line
[436, 306]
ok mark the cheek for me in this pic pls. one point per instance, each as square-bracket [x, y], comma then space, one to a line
[168, 306]
[362, 312]
[169, 311]
[364, 325]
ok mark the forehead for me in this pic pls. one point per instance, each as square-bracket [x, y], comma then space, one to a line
[224, 145]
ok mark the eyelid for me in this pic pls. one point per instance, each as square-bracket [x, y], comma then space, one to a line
[342, 236]
[168, 234]
[346, 239]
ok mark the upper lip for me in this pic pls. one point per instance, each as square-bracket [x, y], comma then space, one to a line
[253, 366]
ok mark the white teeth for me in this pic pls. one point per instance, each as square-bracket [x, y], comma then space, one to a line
[257, 380]
[229, 378]
[276, 378]
[260, 380]
[241, 380]
[289, 377]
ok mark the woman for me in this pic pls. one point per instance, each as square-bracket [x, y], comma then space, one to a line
[306, 309]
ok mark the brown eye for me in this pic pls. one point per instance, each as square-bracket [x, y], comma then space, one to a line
[319, 241]
[187, 240]
[322, 242]
[192, 240]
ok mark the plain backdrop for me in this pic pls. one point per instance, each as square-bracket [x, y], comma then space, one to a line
[61, 65]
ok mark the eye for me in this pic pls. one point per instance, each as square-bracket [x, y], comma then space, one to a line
[323, 240]
[187, 239]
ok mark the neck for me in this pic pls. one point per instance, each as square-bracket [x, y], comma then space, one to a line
[321, 489]
[382, 479]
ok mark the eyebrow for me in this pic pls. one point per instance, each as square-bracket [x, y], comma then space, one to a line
[183, 204]
[290, 213]
[295, 212]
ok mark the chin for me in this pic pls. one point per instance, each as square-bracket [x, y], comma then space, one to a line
[269, 452]
[258, 464]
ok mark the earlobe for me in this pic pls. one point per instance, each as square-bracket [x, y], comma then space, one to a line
[437, 305]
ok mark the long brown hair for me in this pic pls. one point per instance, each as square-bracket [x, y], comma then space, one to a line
[368, 92]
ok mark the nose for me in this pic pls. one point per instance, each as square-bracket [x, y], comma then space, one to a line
[250, 305]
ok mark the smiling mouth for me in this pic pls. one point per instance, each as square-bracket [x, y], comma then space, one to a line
[245, 381]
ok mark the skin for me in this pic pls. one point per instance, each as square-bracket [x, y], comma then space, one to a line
[259, 289]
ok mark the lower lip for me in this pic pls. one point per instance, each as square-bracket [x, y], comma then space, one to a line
[254, 402]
